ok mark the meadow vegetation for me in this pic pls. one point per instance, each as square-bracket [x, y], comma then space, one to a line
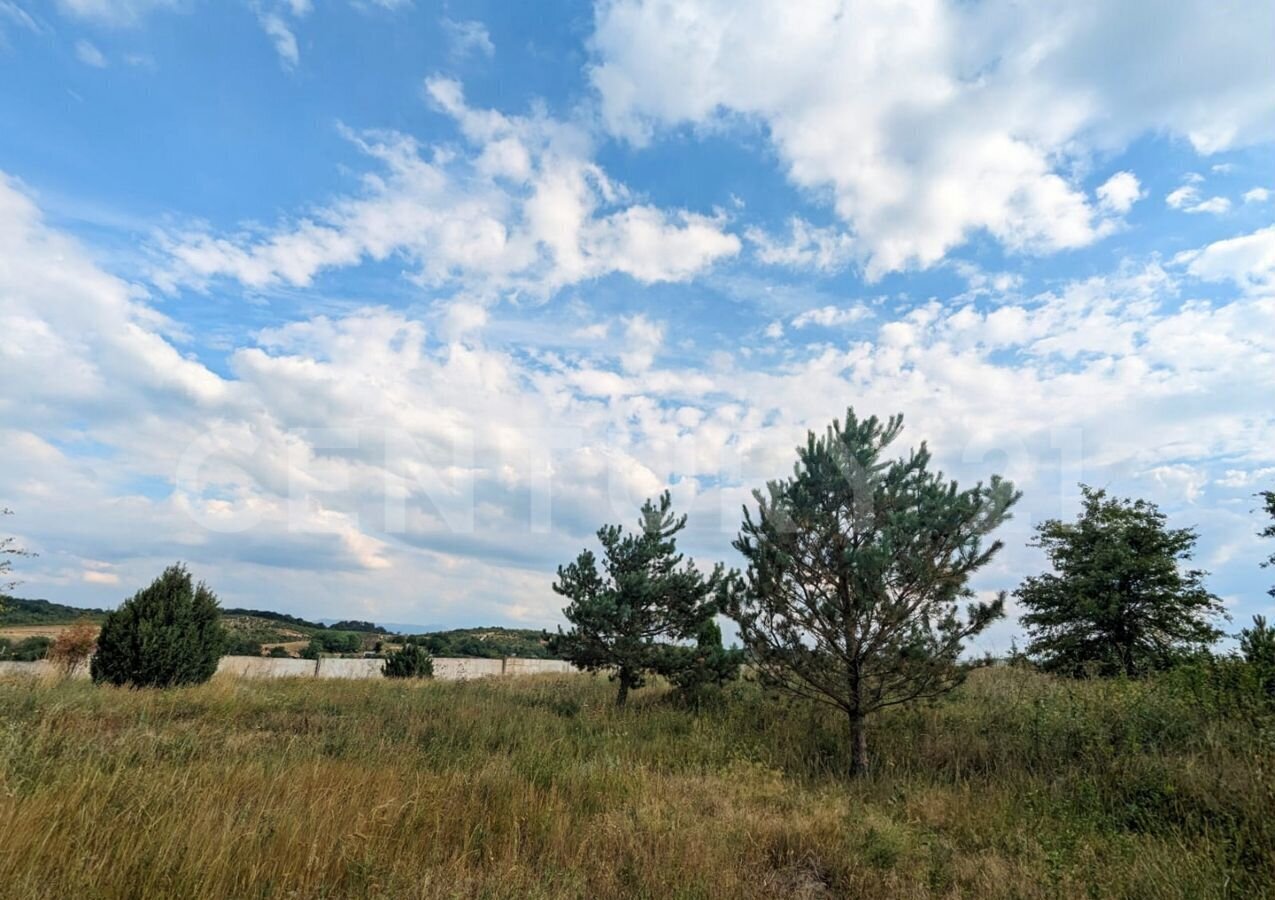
[1017, 784]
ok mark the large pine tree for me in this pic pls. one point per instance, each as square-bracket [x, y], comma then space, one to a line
[1120, 599]
[856, 567]
[166, 634]
[645, 599]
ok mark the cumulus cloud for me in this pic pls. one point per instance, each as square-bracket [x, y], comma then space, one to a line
[1247, 260]
[1119, 192]
[523, 209]
[968, 123]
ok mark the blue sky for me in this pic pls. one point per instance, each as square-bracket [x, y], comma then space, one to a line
[379, 308]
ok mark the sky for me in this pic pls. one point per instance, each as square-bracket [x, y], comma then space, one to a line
[379, 308]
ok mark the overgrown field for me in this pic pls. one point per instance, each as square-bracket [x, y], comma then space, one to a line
[1018, 785]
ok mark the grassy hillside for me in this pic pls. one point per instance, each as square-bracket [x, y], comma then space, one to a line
[489, 643]
[1017, 786]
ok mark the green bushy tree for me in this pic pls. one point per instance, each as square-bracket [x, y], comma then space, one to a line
[409, 661]
[646, 597]
[705, 667]
[166, 634]
[856, 567]
[1257, 646]
[1119, 600]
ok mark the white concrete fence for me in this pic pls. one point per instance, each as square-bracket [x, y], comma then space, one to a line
[445, 669]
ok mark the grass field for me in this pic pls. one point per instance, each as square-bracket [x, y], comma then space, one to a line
[1017, 786]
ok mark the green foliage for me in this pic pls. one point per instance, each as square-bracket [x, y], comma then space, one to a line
[24, 650]
[701, 671]
[486, 643]
[238, 645]
[1257, 646]
[17, 611]
[164, 635]
[295, 621]
[409, 661]
[279, 653]
[1119, 600]
[355, 625]
[856, 567]
[647, 598]
[336, 642]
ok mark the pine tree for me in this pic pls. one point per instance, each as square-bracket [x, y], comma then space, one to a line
[856, 567]
[703, 668]
[1268, 497]
[164, 635]
[410, 661]
[624, 617]
[1119, 600]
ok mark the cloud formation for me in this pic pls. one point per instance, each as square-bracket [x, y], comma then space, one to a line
[929, 121]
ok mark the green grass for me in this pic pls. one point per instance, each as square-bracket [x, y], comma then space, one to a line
[1018, 785]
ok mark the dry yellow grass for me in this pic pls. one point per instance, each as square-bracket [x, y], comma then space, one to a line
[538, 788]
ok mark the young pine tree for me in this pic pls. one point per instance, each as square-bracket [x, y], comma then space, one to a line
[624, 617]
[164, 635]
[856, 567]
[1119, 600]
[410, 661]
[702, 669]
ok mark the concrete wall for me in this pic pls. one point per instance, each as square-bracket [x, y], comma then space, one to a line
[39, 669]
[266, 667]
[537, 667]
[452, 669]
[331, 667]
[466, 668]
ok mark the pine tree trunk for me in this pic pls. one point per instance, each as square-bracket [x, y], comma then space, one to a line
[623, 697]
[858, 746]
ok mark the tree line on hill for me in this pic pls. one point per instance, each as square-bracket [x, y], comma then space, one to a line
[855, 594]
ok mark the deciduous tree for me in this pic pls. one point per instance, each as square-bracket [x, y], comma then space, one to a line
[857, 565]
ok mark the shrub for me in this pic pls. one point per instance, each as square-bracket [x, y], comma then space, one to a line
[410, 661]
[26, 650]
[337, 642]
[167, 634]
[73, 647]
[238, 645]
[279, 653]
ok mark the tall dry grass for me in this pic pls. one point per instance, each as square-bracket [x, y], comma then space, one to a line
[1017, 786]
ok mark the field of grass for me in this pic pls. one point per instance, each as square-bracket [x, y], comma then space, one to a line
[1018, 785]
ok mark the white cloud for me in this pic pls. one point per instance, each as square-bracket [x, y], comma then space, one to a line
[1187, 198]
[831, 316]
[1247, 260]
[468, 36]
[524, 210]
[1257, 195]
[805, 246]
[972, 121]
[365, 456]
[285, 42]
[1119, 192]
[118, 13]
[90, 55]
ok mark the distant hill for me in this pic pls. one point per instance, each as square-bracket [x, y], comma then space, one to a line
[17, 611]
[490, 643]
